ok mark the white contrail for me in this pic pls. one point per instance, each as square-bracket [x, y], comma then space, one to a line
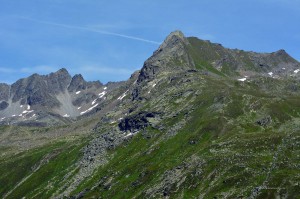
[91, 30]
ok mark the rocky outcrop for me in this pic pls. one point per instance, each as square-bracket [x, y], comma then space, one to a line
[172, 54]
[79, 84]
[86, 98]
[57, 82]
[3, 105]
[265, 121]
[4, 91]
[33, 91]
[136, 122]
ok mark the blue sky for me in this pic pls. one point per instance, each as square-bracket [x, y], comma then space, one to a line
[107, 40]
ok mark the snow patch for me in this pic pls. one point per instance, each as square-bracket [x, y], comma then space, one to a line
[270, 73]
[26, 112]
[28, 107]
[79, 108]
[283, 68]
[94, 102]
[123, 95]
[78, 92]
[102, 94]
[129, 134]
[296, 71]
[89, 109]
[66, 115]
[21, 106]
[2, 118]
[242, 79]
[153, 85]
[105, 88]
[13, 115]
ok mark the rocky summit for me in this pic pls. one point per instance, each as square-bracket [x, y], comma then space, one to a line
[199, 120]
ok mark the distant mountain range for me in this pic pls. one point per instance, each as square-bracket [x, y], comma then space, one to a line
[49, 98]
[197, 121]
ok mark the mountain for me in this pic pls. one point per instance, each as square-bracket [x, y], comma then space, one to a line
[197, 121]
[49, 99]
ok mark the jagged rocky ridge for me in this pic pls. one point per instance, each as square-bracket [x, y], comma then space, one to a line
[49, 98]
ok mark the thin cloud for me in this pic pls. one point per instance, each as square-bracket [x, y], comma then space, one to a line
[29, 70]
[44, 69]
[7, 70]
[104, 70]
[91, 30]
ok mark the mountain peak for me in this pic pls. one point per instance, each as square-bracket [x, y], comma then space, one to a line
[283, 56]
[172, 39]
[63, 70]
[176, 33]
[78, 76]
[77, 83]
[281, 52]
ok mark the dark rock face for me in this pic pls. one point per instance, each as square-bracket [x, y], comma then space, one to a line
[42, 98]
[77, 83]
[87, 98]
[137, 122]
[95, 84]
[57, 82]
[4, 91]
[3, 105]
[265, 121]
[34, 91]
[39, 89]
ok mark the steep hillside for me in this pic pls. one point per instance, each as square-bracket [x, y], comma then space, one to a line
[197, 121]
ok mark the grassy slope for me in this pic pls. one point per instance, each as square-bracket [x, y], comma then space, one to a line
[42, 168]
[219, 153]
